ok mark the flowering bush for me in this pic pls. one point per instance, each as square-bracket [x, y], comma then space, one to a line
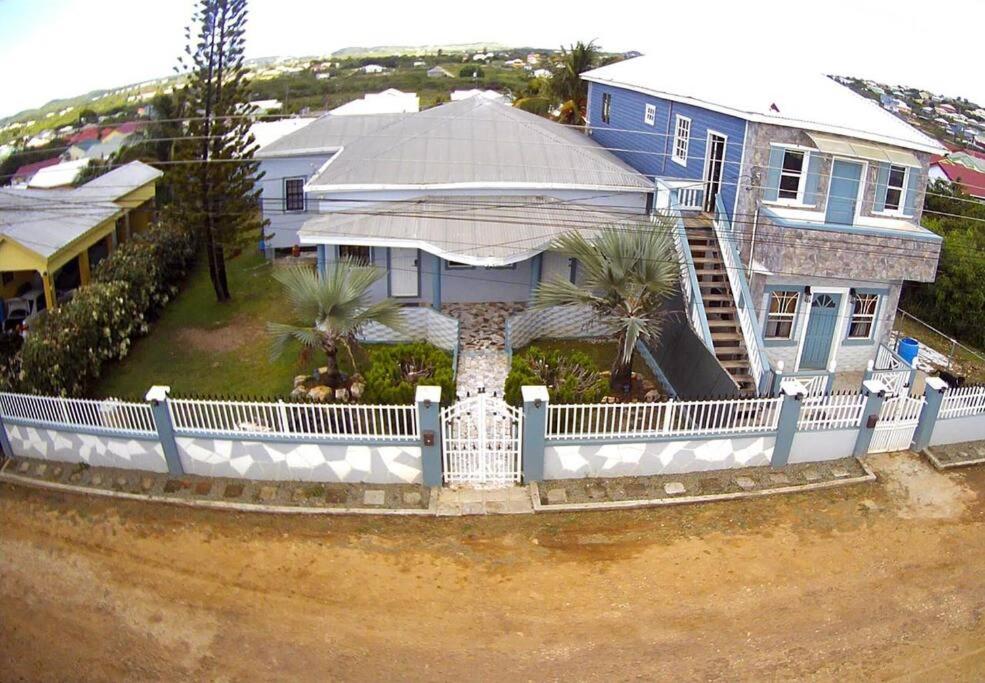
[66, 347]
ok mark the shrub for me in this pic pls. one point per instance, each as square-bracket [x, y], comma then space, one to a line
[570, 376]
[471, 71]
[395, 371]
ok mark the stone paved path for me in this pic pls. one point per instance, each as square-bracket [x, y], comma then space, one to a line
[453, 502]
[482, 360]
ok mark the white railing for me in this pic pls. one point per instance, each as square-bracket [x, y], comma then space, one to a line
[43, 411]
[670, 418]
[834, 411]
[963, 402]
[238, 418]
[745, 308]
[690, 290]
[890, 369]
[691, 197]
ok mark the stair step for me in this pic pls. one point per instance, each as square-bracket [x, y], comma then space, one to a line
[707, 259]
[721, 322]
[726, 336]
[735, 364]
[717, 297]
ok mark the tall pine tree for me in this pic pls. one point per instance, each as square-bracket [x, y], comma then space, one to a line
[216, 188]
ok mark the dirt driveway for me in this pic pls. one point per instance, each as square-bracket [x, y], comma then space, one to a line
[879, 581]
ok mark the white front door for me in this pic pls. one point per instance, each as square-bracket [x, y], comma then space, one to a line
[404, 267]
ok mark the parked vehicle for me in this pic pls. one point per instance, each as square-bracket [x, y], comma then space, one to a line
[22, 309]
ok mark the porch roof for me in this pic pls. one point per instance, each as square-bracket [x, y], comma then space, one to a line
[480, 231]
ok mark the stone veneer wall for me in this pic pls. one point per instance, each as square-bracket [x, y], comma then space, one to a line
[574, 461]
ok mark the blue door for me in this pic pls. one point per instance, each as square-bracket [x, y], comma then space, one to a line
[820, 331]
[843, 194]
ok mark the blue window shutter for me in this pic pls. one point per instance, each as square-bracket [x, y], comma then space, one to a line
[912, 179]
[813, 177]
[773, 174]
[882, 180]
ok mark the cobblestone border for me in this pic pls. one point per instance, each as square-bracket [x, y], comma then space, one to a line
[942, 466]
[12, 478]
[869, 476]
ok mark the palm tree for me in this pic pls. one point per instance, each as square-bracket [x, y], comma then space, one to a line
[629, 272]
[330, 310]
[567, 84]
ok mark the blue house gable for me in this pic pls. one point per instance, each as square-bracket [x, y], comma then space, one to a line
[662, 138]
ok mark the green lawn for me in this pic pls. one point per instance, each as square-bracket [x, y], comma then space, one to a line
[203, 347]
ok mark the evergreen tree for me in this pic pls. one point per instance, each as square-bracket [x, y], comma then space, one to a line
[216, 190]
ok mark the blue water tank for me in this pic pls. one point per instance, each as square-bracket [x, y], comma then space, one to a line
[908, 349]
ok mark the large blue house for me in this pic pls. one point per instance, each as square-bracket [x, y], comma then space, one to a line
[801, 203]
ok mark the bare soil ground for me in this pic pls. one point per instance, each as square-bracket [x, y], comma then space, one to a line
[880, 581]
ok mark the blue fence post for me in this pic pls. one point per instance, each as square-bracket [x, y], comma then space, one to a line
[157, 396]
[428, 400]
[933, 391]
[793, 393]
[875, 393]
[535, 401]
[322, 260]
[8, 450]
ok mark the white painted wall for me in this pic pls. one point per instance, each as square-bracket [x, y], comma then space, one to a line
[95, 450]
[656, 457]
[828, 444]
[958, 430]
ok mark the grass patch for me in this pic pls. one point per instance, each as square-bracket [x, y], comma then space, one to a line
[200, 346]
[601, 352]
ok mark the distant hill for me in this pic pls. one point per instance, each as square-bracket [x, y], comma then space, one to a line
[398, 50]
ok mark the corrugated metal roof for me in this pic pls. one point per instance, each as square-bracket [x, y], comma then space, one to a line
[44, 221]
[476, 141]
[781, 95]
[327, 134]
[477, 230]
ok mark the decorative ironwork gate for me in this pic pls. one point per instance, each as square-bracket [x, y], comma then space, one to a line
[481, 442]
[898, 420]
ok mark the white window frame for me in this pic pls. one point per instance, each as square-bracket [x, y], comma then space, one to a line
[650, 114]
[802, 185]
[682, 143]
[782, 317]
[901, 209]
[606, 107]
[863, 317]
[304, 200]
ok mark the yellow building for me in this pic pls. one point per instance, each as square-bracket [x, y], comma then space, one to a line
[52, 238]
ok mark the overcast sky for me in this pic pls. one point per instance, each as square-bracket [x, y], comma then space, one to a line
[62, 48]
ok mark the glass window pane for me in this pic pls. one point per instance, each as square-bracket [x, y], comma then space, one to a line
[793, 162]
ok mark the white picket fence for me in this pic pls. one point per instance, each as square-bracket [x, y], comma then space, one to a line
[239, 418]
[963, 402]
[834, 411]
[670, 418]
[134, 418]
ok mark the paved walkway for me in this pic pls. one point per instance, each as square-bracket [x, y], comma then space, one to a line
[453, 502]
[482, 359]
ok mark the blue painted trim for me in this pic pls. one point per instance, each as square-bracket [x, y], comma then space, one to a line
[77, 429]
[436, 285]
[925, 236]
[567, 441]
[283, 438]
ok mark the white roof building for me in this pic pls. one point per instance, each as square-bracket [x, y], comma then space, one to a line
[58, 175]
[457, 95]
[390, 101]
[266, 132]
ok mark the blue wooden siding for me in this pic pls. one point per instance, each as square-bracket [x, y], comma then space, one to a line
[648, 148]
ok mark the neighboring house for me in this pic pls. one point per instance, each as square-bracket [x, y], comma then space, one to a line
[818, 189]
[23, 174]
[457, 95]
[962, 168]
[390, 101]
[58, 175]
[373, 69]
[50, 239]
[439, 72]
[458, 203]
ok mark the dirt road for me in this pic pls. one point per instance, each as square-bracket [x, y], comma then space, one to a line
[879, 581]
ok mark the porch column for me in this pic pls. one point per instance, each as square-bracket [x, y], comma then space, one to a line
[875, 394]
[126, 226]
[436, 284]
[49, 291]
[157, 396]
[85, 273]
[322, 260]
[933, 391]
[536, 270]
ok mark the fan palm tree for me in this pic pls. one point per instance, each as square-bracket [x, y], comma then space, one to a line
[629, 272]
[566, 83]
[330, 310]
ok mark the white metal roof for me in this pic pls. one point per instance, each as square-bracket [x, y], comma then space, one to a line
[767, 94]
[266, 132]
[44, 221]
[328, 133]
[478, 230]
[475, 143]
[390, 101]
[58, 175]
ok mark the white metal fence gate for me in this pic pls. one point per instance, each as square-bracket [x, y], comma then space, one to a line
[481, 442]
[898, 420]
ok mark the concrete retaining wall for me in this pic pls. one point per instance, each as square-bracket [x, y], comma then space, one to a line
[642, 458]
[97, 450]
[283, 460]
[828, 444]
[958, 430]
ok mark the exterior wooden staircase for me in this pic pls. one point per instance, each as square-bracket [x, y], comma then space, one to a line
[719, 302]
